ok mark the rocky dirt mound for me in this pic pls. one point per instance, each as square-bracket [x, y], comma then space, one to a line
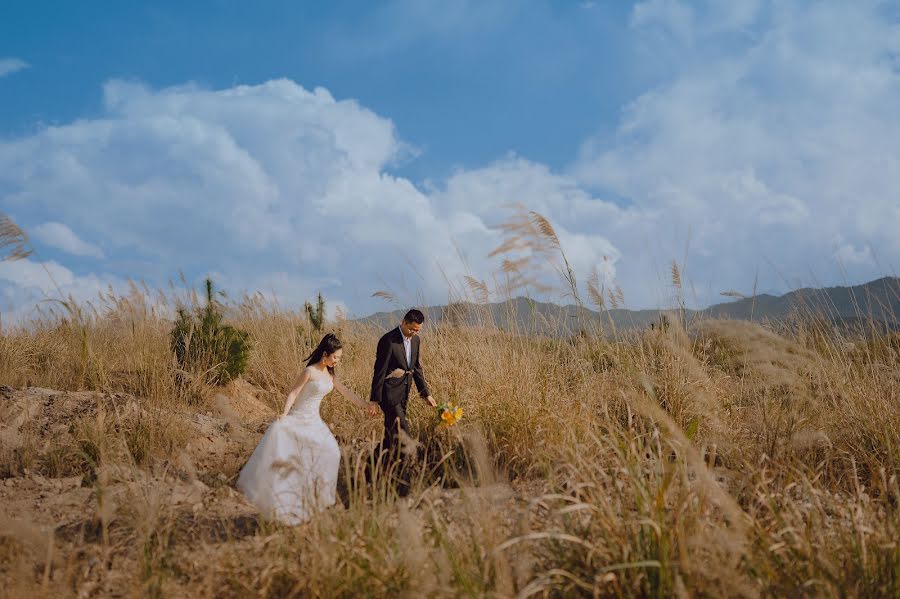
[79, 468]
[94, 485]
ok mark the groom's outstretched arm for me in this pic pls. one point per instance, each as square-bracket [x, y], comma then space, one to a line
[419, 376]
[382, 353]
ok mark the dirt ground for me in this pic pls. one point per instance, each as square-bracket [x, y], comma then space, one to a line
[66, 523]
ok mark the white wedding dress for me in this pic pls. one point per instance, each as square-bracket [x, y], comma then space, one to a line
[293, 471]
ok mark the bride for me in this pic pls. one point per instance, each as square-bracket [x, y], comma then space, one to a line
[293, 471]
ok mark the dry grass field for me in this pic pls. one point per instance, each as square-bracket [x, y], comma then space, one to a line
[715, 458]
[729, 459]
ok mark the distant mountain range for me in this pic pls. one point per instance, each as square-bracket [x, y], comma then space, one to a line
[877, 301]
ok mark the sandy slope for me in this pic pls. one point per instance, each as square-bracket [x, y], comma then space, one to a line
[85, 521]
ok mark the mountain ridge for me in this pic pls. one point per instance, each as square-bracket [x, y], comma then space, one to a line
[877, 300]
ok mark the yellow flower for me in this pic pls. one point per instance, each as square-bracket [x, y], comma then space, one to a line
[449, 414]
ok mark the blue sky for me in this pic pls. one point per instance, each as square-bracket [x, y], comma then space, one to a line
[292, 147]
[526, 77]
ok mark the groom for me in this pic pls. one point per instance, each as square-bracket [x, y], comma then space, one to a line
[397, 366]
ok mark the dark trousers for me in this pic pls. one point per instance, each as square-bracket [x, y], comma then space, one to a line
[393, 454]
[394, 422]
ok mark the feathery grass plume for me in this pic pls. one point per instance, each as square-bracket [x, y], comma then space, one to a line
[732, 293]
[514, 266]
[679, 293]
[596, 295]
[519, 276]
[613, 299]
[386, 295]
[532, 243]
[585, 483]
[676, 275]
[596, 290]
[549, 233]
[340, 314]
[616, 297]
[512, 243]
[620, 295]
[479, 288]
[545, 228]
[13, 240]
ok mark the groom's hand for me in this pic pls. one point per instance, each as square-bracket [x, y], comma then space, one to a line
[431, 401]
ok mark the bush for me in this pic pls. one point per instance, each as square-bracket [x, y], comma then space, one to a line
[316, 316]
[203, 345]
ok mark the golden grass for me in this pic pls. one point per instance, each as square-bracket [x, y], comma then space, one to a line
[725, 460]
[713, 458]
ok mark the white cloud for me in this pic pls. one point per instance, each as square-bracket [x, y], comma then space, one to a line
[473, 203]
[849, 255]
[769, 150]
[62, 237]
[176, 170]
[28, 288]
[278, 188]
[8, 66]
[39, 276]
[777, 153]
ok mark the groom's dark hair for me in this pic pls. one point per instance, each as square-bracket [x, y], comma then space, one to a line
[414, 316]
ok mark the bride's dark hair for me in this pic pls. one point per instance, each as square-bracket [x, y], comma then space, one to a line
[328, 345]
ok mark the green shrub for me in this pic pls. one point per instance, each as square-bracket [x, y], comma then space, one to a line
[203, 345]
[316, 315]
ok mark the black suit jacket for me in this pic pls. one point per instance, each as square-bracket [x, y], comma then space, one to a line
[389, 356]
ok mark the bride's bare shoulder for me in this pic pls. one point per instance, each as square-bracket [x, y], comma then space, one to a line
[314, 373]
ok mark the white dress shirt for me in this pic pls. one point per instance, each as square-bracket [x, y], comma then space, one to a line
[407, 345]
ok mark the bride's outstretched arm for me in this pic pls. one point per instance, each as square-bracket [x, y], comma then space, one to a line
[295, 391]
[353, 397]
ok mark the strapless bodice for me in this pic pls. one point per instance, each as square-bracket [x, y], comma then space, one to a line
[307, 403]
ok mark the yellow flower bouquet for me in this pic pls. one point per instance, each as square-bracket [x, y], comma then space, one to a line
[449, 414]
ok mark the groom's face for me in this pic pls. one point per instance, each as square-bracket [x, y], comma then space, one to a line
[410, 329]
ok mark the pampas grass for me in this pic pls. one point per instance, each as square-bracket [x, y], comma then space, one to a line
[713, 458]
[13, 240]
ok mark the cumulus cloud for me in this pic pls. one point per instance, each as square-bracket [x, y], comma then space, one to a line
[772, 149]
[473, 203]
[62, 237]
[277, 188]
[29, 288]
[247, 181]
[8, 66]
[851, 256]
[778, 153]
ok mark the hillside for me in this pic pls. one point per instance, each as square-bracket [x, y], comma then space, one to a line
[876, 301]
